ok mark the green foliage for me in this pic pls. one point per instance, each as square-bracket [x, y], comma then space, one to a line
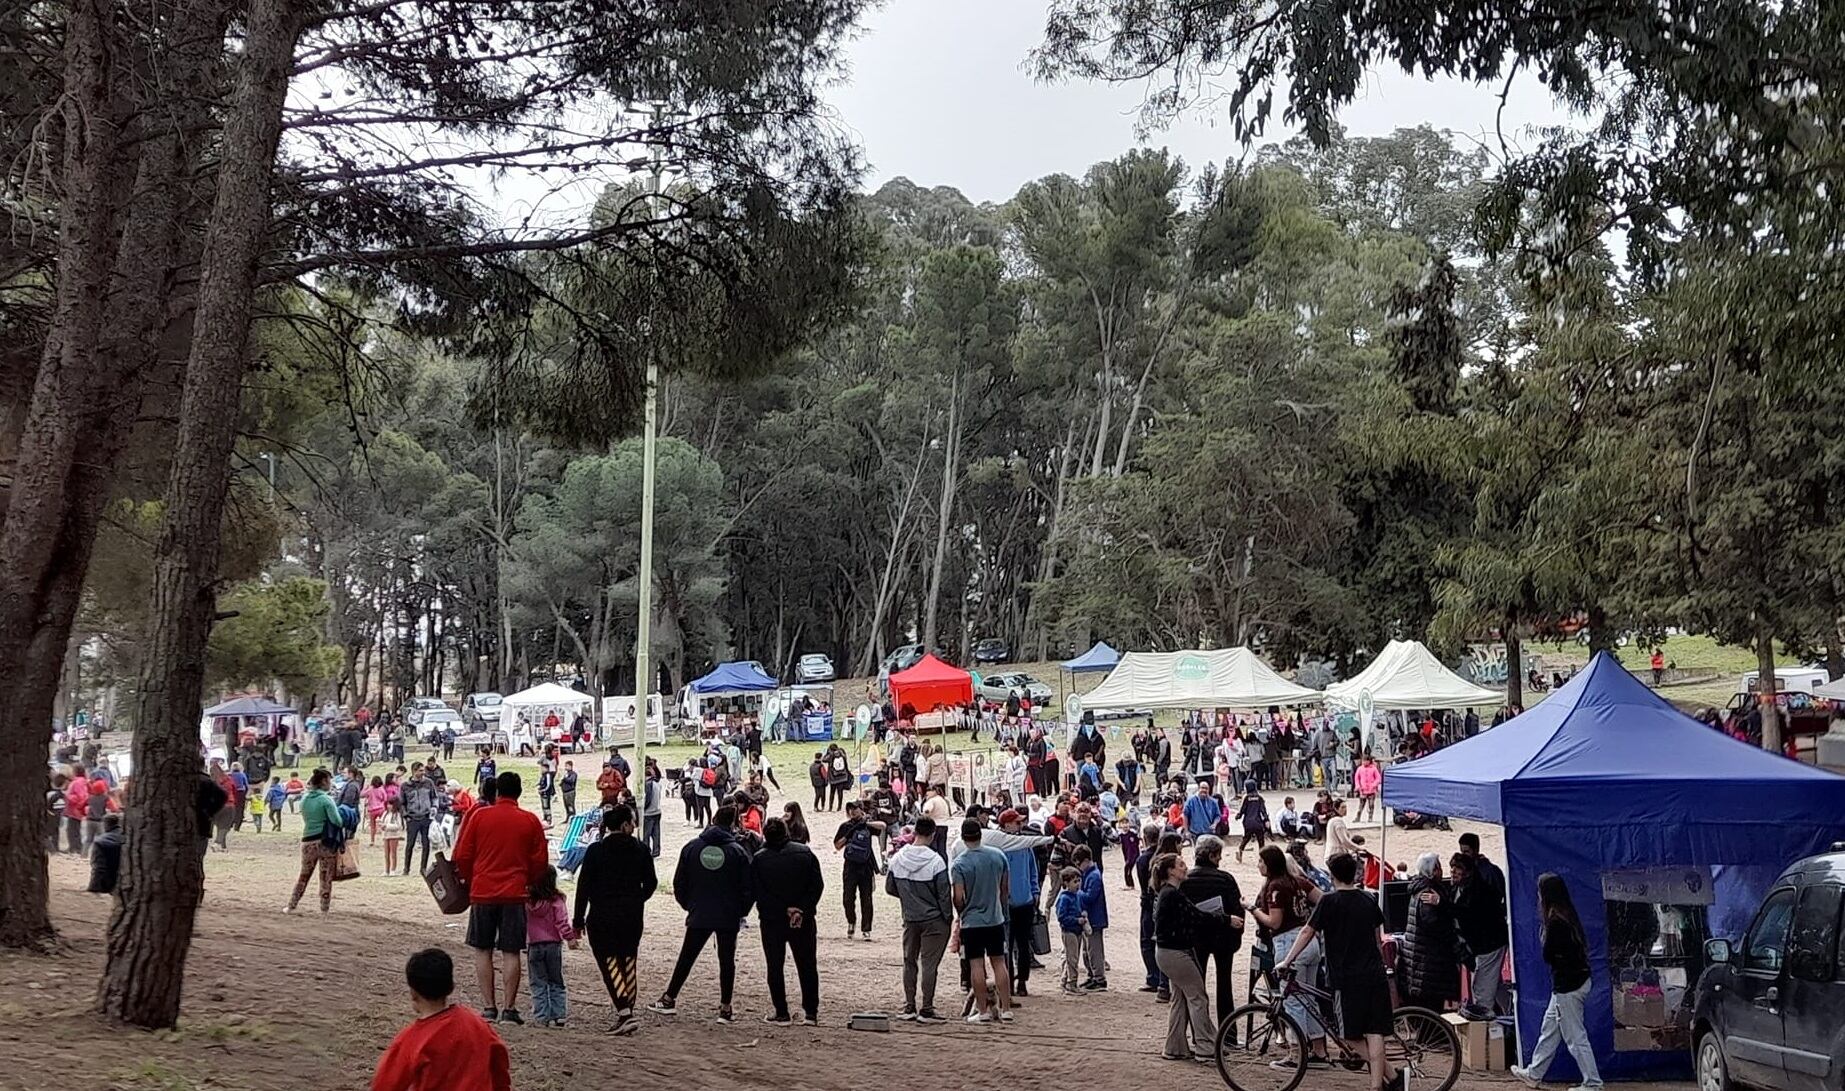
[274, 635]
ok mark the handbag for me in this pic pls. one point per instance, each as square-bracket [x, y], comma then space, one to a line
[1040, 935]
[445, 885]
[346, 865]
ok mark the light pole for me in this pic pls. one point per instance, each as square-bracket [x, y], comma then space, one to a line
[643, 629]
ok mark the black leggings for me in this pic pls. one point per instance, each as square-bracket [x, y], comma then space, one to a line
[1260, 837]
[779, 940]
[690, 796]
[688, 956]
[837, 795]
[819, 797]
[617, 950]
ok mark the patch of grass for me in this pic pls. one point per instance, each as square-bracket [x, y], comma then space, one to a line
[1685, 651]
[218, 1032]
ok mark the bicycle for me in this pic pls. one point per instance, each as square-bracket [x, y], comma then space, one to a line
[1260, 1047]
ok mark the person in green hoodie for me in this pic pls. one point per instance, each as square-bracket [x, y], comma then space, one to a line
[318, 814]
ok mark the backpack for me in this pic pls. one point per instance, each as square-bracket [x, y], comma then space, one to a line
[709, 777]
[858, 845]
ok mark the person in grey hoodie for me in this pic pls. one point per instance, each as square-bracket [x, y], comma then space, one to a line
[713, 884]
[917, 877]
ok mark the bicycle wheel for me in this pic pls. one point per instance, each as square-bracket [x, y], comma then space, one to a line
[1260, 1049]
[1426, 1047]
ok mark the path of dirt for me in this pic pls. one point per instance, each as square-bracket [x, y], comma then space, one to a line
[280, 1002]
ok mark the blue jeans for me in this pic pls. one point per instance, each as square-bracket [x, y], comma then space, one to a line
[544, 965]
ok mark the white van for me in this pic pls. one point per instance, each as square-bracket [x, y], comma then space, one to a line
[618, 719]
[1787, 680]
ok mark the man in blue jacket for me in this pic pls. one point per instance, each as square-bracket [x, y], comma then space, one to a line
[1095, 907]
[1202, 812]
[713, 885]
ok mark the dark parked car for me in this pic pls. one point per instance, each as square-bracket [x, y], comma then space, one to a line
[1770, 1009]
[991, 650]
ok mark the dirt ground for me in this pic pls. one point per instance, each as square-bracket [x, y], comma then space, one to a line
[276, 1001]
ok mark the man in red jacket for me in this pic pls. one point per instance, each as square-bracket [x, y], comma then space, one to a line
[500, 853]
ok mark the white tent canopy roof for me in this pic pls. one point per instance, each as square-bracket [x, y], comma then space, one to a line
[1831, 691]
[1406, 675]
[1224, 678]
[548, 695]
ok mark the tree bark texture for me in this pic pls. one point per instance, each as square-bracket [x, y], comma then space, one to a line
[1765, 689]
[150, 931]
[951, 469]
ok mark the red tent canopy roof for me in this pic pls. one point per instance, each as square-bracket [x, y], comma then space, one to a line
[929, 684]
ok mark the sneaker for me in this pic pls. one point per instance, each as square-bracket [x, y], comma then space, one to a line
[1018, 990]
[1175, 1056]
[1095, 984]
[491, 1015]
[1162, 997]
[802, 1019]
[625, 1025]
[908, 1015]
[1005, 1017]
[725, 1017]
[928, 1015]
[1525, 1076]
[1148, 989]
[980, 1017]
[866, 935]
[851, 931]
[1204, 1058]
[664, 1006]
[1072, 990]
[772, 1019]
[511, 1015]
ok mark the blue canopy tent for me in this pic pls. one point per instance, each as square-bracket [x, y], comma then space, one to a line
[1664, 829]
[732, 680]
[1099, 658]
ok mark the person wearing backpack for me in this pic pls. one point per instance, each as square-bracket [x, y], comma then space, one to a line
[323, 834]
[816, 774]
[838, 775]
[713, 885]
[854, 841]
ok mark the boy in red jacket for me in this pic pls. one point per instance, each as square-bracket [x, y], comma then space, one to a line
[448, 1047]
[500, 853]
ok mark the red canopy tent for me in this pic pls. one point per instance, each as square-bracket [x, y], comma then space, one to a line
[929, 685]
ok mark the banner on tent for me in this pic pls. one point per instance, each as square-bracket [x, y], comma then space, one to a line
[1662, 886]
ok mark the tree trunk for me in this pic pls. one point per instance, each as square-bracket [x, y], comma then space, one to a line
[1047, 556]
[1514, 666]
[1600, 638]
[951, 456]
[1765, 689]
[163, 872]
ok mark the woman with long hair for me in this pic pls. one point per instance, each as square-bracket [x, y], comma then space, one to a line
[1566, 953]
[795, 821]
[1281, 908]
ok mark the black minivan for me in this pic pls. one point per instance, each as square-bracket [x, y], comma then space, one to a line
[1770, 1010]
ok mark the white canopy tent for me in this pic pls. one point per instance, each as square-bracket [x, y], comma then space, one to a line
[535, 702]
[1831, 691]
[1406, 675]
[1224, 678]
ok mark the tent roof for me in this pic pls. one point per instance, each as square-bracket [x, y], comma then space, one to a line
[1099, 658]
[730, 679]
[929, 683]
[1224, 678]
[547, 693]
[1407, 675]
[1831, 691]
[1605, 751]
[250, 706]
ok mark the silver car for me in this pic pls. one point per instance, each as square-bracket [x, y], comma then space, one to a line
[997, 687]
[813, 667]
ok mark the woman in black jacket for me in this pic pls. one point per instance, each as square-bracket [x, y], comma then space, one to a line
[1429, 962]
[613, 884]
[786, 878]
[1179, 927]
[1566, 952]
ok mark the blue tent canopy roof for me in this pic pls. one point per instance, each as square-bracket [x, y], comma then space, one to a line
[250, 706]
[1099, 658]
[733, 678]
[1605, 750]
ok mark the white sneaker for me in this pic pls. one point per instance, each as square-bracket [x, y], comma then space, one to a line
[980, 1017]
[1524, 1076]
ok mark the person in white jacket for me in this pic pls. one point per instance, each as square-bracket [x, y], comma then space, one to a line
[1015, 777]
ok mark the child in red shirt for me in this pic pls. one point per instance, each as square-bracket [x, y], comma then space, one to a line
[449, 1047]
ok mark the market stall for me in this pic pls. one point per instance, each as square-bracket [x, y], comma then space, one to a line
[523, 714]
[227, 723]
[1096, 660]
[1406, 676]
[1666, 831]
[928, 686]
[1221, 678]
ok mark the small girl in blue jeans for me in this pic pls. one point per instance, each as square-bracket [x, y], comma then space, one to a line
[547, 929]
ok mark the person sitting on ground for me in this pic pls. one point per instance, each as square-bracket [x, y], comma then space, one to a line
[448, 1046]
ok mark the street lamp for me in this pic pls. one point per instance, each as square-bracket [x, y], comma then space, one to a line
[643, 630]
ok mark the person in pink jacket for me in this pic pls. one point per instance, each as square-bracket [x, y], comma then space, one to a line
[547, 929]
[1368, 780]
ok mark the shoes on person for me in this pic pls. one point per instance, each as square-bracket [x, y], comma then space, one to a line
[1019, 989]
[866, 934]
[1164, 996]
[851, 931]
[1204, 1058]
[511, 1015]
[1095, 985]
[491, 1015]
[726, 1016]
[625, 1025]
[1525, 1076]
[1004, 1016]
[666, 1005]
[908, 1015]
[1148, 989]
[980, 1017]
[776, 1020]
[804, 1019]
[928, 1015]
[1036, 965]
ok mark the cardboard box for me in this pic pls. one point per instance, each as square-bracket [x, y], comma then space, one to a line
[1639, 1010]
[1634, 1039]
[1483, 1044]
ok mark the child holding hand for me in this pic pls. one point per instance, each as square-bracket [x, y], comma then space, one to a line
[1073, 923]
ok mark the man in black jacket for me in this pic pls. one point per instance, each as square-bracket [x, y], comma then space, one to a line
[207, 800]
[1209, 880]
[1480, 915]
[1086, 830]
[613, 884]
[712, 884]
[106, 856]
[786, 876]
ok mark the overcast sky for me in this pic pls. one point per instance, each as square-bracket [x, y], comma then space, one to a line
[938, 93]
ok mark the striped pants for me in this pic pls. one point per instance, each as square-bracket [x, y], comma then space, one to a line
[617, 950]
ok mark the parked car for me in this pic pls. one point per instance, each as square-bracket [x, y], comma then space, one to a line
[813, 667]
[900, 660]
[1769, 1010]
[991, 650]
[430, 725]
[413, 712]
[481, 711]
[998, 687]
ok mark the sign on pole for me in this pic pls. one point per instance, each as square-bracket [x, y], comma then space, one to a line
[1367, 712]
